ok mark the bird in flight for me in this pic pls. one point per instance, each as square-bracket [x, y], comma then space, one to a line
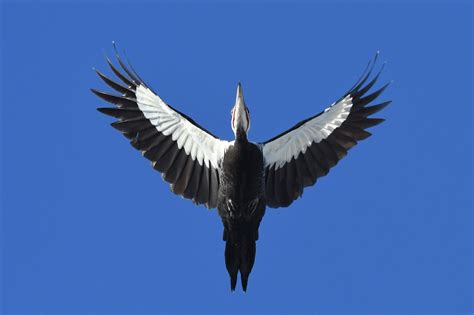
[240, 178]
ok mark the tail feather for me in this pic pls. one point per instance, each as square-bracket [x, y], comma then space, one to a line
[232, 262]
[240, 257]
[247, 256]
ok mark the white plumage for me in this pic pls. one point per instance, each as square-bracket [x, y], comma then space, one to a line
[283, 149]
[198, 144]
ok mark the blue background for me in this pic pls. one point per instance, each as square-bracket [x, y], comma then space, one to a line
[88, 227]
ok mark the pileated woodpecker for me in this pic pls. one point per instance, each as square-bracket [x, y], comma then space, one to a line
[240, 178]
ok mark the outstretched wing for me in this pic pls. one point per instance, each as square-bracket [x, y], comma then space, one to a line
[297, 157]
[187, 155]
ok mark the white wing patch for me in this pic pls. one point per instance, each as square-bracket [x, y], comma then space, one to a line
[289, 146]
[197, 143]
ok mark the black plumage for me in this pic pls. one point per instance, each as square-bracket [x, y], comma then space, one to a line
[242, 185]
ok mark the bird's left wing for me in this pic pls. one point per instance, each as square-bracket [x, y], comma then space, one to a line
[187, 155]
[297, 157]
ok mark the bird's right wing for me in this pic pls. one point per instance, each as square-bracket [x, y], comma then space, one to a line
[297, 157]
[187, 155]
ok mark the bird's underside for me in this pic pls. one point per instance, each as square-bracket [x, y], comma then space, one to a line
[239, 178]
[241, 205]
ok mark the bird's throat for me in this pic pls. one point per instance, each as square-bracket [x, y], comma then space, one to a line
[241, 136]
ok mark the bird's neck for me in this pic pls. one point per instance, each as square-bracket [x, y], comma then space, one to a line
[241, 137]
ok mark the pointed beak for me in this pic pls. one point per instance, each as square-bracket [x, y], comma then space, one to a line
[239, 98]
[240, 116]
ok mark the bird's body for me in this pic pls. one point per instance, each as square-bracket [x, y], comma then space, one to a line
[239, 178]
[241, 205]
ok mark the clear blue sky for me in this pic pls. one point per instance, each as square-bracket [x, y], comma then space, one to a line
[89, 228]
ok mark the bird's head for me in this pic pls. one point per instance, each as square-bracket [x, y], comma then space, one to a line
[240, 114]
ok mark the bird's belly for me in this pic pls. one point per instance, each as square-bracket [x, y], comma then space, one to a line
[242, 181]
[241, 193]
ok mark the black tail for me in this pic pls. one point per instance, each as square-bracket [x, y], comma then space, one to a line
[239, 256]
[232, 262]
[247, 256]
